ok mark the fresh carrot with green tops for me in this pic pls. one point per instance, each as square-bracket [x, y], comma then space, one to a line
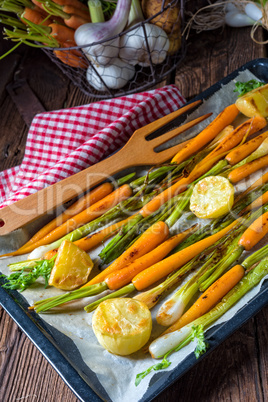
[36, 17]
[244, 150]
[71, 57]
[210, 297]
[246, 170]
[62, 33]
[150, 239]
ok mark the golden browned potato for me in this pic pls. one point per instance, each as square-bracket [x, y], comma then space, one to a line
[72, 267]
[254, 102]
[212, 197]
[122, 325]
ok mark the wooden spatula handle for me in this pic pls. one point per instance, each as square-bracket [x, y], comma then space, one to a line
[26, 210]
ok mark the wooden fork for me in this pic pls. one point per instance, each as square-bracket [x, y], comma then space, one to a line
[137, 152]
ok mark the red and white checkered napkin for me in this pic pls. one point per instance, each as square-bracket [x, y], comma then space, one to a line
[63, 142]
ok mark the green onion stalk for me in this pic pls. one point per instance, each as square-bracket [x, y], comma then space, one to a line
[164, 345]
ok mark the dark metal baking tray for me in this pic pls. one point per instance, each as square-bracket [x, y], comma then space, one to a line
[62, 354]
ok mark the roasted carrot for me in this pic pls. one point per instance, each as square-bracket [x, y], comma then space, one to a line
[259, 182]
[123, 276]
[151, 238]
[255, 232]
[90, 213]
[245, 150]
[84, 202]
[163, 268]
[208, 134]
[246, 170]
[210, 297]
[263, 199]
[89, 242]
[244, 130]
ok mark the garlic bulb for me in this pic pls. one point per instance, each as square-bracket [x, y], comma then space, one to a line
[133, 46]
[91, 33]
[114, 76]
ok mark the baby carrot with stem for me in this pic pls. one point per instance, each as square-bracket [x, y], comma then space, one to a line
[210, 297]
[246, 170]
[226, 117]
[251, 236]
[87, 215]
[246, 149]
[84, 202]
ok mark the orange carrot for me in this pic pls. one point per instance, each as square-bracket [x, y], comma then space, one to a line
[90, 213]
[210, 297]
[151, 238]
[245, 129]
[259, 182]
[122, 277]
[75, 21]
[245, 150]
[50, 254]
[74, 3]
[163, 268]
[246, 170]
[76, 11]
[71, 57]
[255, 232]
[39, 5]
[84, 202]
[62, 34]
[263, 199]
[208, 134]
[91, 241]
[36, 17]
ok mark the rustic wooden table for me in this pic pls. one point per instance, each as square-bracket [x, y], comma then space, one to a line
[238, 369]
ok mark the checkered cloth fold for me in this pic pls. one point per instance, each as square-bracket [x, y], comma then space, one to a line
[63, 142]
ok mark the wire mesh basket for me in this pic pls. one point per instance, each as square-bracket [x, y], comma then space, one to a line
[142, 68]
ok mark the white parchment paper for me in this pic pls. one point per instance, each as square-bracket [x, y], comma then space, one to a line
[117, 374]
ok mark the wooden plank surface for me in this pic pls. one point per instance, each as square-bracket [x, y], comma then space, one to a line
[235, 371]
